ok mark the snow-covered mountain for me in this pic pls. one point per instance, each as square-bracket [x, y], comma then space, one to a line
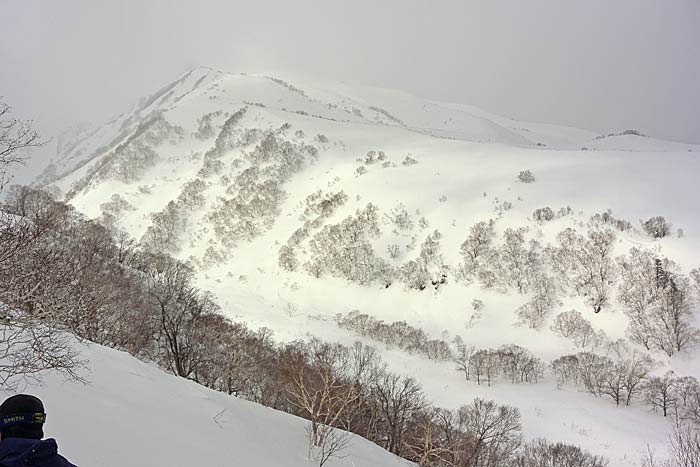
[298, 201]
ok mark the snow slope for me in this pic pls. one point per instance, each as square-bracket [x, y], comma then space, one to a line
[132, 414]
[467, 164]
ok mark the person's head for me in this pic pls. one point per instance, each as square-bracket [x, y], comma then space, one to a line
[22, 416]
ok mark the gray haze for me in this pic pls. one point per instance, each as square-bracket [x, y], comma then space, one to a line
[605, 65]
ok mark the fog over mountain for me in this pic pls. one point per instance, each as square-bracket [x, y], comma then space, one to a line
[361, 234]
[600, 65]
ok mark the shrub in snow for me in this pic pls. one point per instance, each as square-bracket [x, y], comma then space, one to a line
[286, 258]
[394, 251]
[607, 218]
[543, 214]
[361, 170]
[572, 325]
[370, 158]
[564, 211]
[321, 138]
[487, 278]
[322, 206]
[113, 209]
[400, 218]
[526, 176]
[213, 256]
[656, 227]
[504, 206]
[409, 161]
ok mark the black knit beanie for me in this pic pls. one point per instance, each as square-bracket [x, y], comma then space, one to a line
[22, 404]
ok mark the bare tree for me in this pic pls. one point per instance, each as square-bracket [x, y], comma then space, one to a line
[534, 312]
[320, 392]
[659, 392]
[658, 302]
[585, 264]
[477, 245]
[15, 137]
[695, 277]
[179, 306]
[398, 399]
[683, 448]
[463, 357]
[572, 325]
[493, 433]
[656, 227]
[28, 349]
[332, 443]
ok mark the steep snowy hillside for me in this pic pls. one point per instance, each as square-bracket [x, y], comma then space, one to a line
[131, 413]
[299, 202]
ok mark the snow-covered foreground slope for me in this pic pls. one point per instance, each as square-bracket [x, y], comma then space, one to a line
[132, 414]
[219, 200]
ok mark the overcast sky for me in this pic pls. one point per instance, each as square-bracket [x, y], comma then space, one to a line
[605, 65]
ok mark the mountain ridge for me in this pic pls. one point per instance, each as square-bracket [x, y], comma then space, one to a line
[298, 204]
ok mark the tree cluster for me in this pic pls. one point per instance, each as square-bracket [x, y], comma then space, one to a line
[256, 192]
[396, 334]
[77, 275]
[344, 250]
[130, 159]
[318, 208]
[620, 373]
[658, 301]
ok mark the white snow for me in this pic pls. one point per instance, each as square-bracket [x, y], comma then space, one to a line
[468, 155]
[133, 414]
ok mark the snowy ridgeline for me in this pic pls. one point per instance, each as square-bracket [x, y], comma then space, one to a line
[473, 240]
